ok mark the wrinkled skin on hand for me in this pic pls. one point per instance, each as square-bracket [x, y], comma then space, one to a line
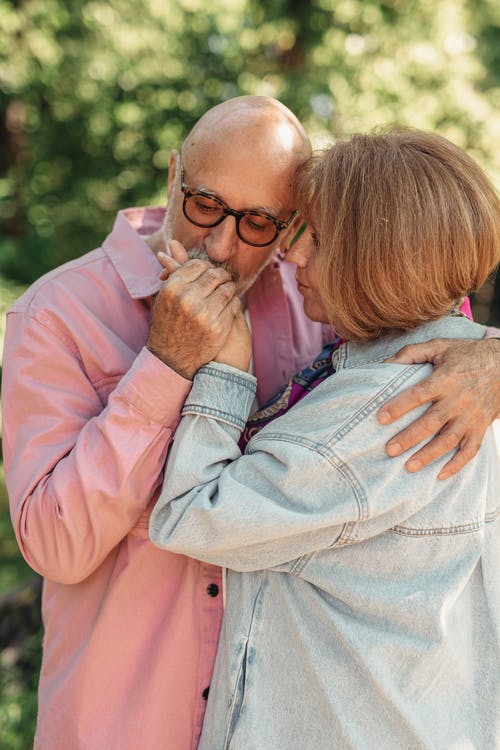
[465, 393]
[192, 315]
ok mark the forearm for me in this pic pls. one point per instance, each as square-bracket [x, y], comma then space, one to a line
[79, 475]
[245, 513]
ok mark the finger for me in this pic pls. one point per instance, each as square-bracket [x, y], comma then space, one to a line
[447, 440]
[423, 428]
[469, 446]
[178, 251]
[189, 273]
[215, 280]
[223, 297]
[169, 264]
[208, 306]
[417, 353]
[421, 393]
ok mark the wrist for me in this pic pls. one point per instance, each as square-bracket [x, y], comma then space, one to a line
[187, 373]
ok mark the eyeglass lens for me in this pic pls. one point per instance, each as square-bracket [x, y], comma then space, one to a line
[253, 228]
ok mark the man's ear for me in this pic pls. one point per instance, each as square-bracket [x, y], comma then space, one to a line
[172, 167]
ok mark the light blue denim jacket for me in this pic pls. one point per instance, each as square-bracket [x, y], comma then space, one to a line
[363, 602]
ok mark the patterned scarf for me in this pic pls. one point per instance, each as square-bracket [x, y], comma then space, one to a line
[296, 388]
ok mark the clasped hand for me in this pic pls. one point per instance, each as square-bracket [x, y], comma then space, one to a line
[197, 316]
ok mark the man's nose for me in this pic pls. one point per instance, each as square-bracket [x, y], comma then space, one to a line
[221, 241]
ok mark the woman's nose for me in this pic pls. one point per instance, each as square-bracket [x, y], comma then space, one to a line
[300, 251]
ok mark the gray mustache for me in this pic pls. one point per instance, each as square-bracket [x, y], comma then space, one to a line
[197, 253]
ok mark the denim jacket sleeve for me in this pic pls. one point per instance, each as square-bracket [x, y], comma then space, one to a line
[262, 510]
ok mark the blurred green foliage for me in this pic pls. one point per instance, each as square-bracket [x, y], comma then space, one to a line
[95, 93]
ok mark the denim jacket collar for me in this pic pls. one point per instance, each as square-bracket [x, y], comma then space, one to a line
[359, 353]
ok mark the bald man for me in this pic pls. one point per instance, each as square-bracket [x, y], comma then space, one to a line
[99, 357]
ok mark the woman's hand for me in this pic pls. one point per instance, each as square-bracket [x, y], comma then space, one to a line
[237, 351]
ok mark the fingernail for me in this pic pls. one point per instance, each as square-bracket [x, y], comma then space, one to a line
[161, 254]
[414, 464]
[384, 417]
[444, 475]
[394, 449]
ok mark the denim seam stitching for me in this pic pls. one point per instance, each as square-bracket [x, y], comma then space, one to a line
[213, 372]
[465, 528]
[377, 400]
[218, 414]
[335, 462]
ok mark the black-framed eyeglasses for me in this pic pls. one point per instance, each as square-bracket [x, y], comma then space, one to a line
[252, 227]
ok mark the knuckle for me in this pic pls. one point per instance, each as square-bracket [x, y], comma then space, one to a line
[196, 264]
[433, 421]
[449, 440]
[219, 275]
[424, 391]
[228, 289]
[187, 305]
[214, 274]
[405, 349]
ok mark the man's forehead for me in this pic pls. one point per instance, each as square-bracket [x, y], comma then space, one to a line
[242, 184]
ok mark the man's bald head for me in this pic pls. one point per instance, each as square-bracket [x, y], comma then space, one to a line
[251, 124]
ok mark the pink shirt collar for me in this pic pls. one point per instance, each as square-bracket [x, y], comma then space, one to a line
[131, 256]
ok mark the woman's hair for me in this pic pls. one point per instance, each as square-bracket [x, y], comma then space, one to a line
[408, 224]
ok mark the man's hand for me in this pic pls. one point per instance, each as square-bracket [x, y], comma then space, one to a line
[192, 314]
[465, 391]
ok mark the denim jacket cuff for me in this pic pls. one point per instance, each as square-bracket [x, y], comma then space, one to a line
[223, 393]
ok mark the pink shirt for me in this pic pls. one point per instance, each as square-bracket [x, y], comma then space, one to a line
[130, 630]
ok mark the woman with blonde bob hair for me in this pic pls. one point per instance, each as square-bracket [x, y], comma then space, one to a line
[362, 601]
[409, 225]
